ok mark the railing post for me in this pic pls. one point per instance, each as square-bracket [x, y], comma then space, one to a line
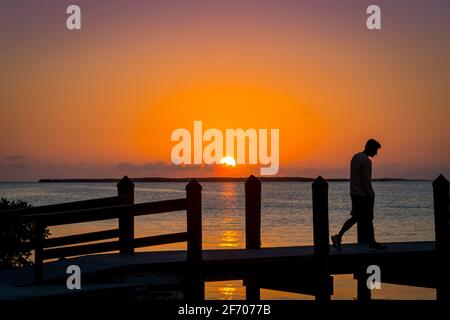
[252, 229]
[125, 188]
[441, 200]
[195, 285]
[38, 254]
[321, 236]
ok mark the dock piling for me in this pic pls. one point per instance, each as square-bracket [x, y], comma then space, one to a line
[252, 229]
[125, 189]
[321, 237]
[363, 292]
[441, 224]
[253, 213]
[196, 285]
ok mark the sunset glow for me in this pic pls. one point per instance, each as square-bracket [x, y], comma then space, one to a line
[102, 102]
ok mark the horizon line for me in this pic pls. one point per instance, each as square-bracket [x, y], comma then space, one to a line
[203, 179]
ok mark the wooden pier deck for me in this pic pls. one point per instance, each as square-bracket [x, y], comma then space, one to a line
[226, 264]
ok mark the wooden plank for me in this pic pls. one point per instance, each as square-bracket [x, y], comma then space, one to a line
[106, 213]
[265, 258]
[81, 250]
[113, 245]
[66, 206]
[160, 239]
[80, 238]
[299, 253]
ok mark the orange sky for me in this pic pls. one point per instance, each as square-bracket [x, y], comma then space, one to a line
[103, 101]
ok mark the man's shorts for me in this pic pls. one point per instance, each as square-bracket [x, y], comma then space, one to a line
[362, 207]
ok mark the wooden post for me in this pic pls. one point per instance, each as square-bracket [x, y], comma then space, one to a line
[363, 292]
[39, 254]
[252, 213]
[321, 237]
[125, 188]
[441, 226]
[195, 285]
[252, 230]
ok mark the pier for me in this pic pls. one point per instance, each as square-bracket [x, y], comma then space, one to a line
[113, 269]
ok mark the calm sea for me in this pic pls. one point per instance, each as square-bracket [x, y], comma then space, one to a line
[403, 212]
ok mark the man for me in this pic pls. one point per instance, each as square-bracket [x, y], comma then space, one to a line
[362, 195]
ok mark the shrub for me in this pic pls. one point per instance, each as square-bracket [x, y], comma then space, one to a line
[15, 237]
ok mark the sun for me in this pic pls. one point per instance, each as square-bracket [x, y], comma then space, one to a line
[228, 161]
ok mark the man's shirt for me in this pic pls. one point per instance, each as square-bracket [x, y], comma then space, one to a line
[361, 175]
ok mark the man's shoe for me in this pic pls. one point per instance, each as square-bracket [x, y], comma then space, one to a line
[336, 242]
[376, 246]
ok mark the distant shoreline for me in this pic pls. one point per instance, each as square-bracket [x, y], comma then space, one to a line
[215, 179]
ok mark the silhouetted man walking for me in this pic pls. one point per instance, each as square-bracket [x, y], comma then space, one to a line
[362, 195]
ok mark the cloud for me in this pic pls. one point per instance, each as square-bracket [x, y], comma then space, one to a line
[160, 167]
[389, 165]
[14, 166]
[14, 157]
[145, 166]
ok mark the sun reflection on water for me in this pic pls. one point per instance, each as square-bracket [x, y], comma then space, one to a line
[230, 238]
[225, 290]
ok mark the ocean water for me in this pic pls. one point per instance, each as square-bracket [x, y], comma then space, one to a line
[403, 212]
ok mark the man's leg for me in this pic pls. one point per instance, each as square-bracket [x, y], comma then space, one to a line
[365, 226]
[369, 222]
[370, 229]
[337, 239]
[356, 212]
[346, 226]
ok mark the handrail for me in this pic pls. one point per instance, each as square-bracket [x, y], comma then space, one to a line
[114, 245]
[105, 213]
[81, 238]
[66, 206]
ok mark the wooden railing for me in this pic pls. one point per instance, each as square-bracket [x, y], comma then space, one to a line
[122, 208]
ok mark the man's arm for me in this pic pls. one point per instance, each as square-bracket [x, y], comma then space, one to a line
[367, 178]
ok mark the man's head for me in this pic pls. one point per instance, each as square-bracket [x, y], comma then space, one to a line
[372, 147]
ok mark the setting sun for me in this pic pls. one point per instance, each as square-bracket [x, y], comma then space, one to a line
[228, 161]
